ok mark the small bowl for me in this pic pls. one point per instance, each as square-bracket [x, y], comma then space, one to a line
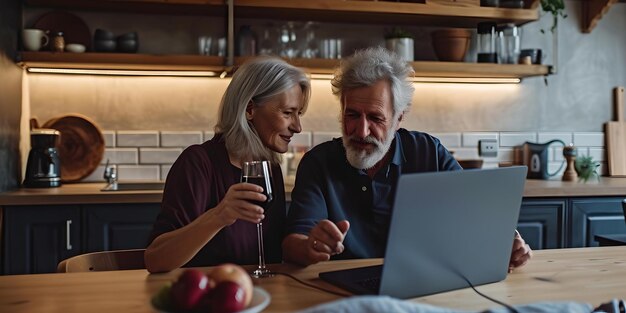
[104, 45]
[75, 47]
[127, 46]
[101, 34]
[128, 36]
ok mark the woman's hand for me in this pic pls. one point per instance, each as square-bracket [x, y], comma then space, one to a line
[237, 204]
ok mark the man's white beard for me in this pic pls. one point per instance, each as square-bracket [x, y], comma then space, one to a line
[362, 159]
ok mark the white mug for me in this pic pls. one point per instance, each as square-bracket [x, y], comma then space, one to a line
[32, 38]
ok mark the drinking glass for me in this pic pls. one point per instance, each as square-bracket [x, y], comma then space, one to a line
[259, 173]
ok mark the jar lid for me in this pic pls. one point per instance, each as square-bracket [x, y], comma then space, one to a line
[486, 27]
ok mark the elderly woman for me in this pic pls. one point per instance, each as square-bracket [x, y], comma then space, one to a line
[207, 216]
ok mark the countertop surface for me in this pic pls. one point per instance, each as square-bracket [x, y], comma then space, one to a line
[89, 193]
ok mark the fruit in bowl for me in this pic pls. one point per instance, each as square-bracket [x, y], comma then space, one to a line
[225, 288]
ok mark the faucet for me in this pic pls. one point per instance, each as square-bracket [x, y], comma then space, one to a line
[110, 174]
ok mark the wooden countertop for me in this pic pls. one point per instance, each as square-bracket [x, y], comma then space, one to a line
[588, 275]
[84, 193]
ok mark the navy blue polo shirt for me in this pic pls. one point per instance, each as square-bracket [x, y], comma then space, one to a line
[328, 187]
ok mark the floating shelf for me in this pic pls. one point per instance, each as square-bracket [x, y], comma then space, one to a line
[122, 61]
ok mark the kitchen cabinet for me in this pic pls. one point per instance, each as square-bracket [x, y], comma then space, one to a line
[119, 226]
[36, 238]
[347, 11]
[542, 223]
[595, 216]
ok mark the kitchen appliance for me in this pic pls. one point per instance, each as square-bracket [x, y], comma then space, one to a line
[486, 43]
[535, 156]
[616, 136]
[44, 165]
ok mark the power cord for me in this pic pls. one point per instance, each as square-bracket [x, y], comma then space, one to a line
[341, 294]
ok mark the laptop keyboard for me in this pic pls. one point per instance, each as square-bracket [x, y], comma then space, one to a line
[372, 284]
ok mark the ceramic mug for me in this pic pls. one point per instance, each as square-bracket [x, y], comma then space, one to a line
[32, 39]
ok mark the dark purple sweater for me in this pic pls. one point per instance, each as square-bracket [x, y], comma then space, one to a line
[197, 182]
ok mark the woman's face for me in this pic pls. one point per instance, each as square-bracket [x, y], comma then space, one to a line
[278, 119]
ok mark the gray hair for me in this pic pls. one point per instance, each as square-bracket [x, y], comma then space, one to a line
[370, 65]
[256, 81]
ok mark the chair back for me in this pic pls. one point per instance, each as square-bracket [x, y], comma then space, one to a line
[104, 261]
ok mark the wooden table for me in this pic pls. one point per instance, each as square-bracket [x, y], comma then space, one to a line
[592, 275]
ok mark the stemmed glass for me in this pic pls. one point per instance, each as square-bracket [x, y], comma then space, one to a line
[259, 173]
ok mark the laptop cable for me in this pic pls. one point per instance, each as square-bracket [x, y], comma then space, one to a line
[337, 293]
[507, 306]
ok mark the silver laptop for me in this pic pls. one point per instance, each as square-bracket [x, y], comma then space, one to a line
[448, 229]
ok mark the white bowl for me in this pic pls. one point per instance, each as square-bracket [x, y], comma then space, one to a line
[75, 47]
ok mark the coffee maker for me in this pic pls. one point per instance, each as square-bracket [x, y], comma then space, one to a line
[43, 169]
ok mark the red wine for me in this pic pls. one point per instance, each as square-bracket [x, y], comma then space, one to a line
[267, 191]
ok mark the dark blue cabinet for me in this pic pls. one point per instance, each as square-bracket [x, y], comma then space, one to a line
[119, 226]
[541, 223]
[37, 238]
[595, 216]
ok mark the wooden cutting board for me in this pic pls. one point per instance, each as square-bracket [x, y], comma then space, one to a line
[615, 133]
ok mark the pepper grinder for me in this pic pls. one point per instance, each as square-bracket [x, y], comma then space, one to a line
[58, 42]
[569, 152]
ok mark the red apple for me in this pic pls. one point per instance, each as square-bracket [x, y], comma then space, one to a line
[228, 297]
[188, 291]
[233, 273]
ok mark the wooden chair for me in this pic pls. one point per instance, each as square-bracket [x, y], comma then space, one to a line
[103, 261]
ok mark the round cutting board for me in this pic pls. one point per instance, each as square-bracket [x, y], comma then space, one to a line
[81, 146]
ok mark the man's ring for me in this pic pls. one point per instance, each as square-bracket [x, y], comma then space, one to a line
[315, 244]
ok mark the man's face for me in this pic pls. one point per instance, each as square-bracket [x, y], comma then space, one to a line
[368, 123]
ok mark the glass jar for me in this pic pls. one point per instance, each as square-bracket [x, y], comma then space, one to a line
[486, 43]
[509, 44]
[58, 42]
[246, 42]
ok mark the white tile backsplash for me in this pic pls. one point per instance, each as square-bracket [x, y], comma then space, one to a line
[547, 136]
[109, 138]
[449, 140]
[158, 155]
[513, 139]
[120, 156]
[148, 155]
[96, 176]
[471, 139]
[590, 139]
[137, 138]
[138, 172]
[180, 138]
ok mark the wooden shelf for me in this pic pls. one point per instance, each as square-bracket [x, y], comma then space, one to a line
[122, 61]
[338, 11]
[383, 12]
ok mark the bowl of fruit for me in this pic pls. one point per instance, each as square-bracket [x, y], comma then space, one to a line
[225, 288]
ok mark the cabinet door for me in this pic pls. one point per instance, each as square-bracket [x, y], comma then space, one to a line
[595, 216]
[541, 223]
[119, 226]
[37, 238]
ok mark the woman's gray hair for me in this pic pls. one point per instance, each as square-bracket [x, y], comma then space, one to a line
[370, 65]
[256, 82]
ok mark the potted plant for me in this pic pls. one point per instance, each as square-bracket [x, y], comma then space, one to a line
[587, 168]
[400, 41]
[556, 8]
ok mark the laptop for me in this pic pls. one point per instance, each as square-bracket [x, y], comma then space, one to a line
[448, 229]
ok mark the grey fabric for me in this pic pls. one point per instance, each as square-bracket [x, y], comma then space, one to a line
[380, 304]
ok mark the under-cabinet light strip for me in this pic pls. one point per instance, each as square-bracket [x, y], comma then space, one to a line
[121, 72]
[465, 80]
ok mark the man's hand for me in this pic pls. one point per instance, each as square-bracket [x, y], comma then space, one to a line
[326, 239]
[520, 254]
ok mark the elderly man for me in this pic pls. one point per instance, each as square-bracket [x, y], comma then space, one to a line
[349, 183]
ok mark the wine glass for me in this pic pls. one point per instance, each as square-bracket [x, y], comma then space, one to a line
[259, 173]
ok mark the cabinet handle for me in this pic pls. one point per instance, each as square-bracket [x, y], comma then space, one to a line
[68, 242]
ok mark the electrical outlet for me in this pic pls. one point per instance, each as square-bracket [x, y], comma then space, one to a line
[488, 147]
